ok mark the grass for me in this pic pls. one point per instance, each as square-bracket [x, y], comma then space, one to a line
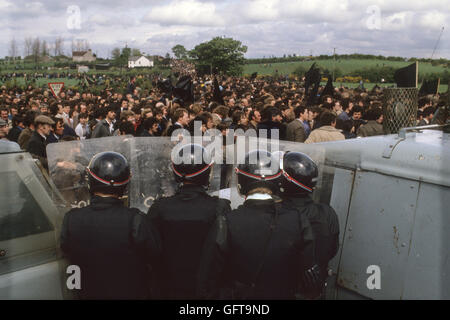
[369, 86]
[346, 66]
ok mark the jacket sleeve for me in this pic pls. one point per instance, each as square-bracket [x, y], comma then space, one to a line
[146, 238]
[211, 267]
[307, 256]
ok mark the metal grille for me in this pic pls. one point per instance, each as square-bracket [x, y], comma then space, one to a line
[399, 108]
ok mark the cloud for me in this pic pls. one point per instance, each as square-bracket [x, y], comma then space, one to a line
[267, 27]
[185, 12]
[434, 20]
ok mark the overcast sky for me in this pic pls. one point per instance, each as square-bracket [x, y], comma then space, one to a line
[408, 28]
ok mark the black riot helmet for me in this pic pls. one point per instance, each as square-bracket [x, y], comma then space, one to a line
[109, 173]
[192, 164]
[299, 174]
[260, 170]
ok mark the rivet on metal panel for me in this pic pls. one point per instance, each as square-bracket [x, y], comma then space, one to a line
[350, 229]
[403, 244]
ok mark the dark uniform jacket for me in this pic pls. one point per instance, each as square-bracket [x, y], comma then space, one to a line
[112, 245]
[252, 262]
[325, 225]
[183, 222]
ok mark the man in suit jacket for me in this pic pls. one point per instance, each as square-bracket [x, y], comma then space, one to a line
[181, 118]
[295, 130]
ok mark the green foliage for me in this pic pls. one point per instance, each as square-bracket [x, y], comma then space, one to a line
[225, 55]
[180, 52]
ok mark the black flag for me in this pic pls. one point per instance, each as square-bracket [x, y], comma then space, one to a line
[315, 77]
[406, 77]
[217, 95]
[429, 87]
[184, 89]
[329, 89]
[165, 86]
[310, 77]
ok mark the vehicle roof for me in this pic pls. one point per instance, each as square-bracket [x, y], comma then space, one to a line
[422, 156]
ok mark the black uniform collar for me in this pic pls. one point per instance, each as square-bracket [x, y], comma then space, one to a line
[254, 203]
[105, 202]
[298, 201]
[191, 191]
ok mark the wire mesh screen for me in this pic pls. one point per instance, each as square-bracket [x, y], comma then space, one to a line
[399, 108]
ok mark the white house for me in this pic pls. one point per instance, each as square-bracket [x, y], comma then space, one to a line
[141, 61]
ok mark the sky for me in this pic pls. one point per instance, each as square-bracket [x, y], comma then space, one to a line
[407, 28]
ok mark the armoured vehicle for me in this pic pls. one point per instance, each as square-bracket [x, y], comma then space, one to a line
[391, 193]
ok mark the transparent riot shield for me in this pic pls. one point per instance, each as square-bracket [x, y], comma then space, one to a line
[153, 177]
[150, 163]
[67, 163]
[244, 145]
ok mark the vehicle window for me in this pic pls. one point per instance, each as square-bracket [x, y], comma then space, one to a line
[20, 214]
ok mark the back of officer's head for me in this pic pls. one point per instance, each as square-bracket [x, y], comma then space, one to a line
[260, 173]
[191, 164]
[108, 173]
[300, 174]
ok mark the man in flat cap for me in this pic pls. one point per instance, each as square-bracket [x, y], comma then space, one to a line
[38, 141]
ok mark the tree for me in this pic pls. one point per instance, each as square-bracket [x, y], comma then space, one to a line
[115, 53]
[13, 52]
[44, 49]
[135, 53]
[58, 48]
[180, 52]
[224, 55]
[36, 50]
[28, 44]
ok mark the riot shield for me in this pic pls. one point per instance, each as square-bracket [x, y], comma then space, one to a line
[277, 147]
[67, 163]
[150, 163]
[153, 176]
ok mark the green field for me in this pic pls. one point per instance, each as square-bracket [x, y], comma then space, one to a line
[346, 66]
[369, 86]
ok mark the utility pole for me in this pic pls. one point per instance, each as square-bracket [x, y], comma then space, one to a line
[334, 62]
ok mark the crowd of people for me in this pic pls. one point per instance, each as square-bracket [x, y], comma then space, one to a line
[33, 117]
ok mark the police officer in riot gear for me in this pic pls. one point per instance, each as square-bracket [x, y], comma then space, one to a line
[184, 221]
[299, 180]
[263, 250]
[111, 244]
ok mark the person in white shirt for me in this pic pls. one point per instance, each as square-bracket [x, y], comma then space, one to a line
[82, 130]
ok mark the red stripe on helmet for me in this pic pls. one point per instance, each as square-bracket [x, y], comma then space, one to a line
[114, 184]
